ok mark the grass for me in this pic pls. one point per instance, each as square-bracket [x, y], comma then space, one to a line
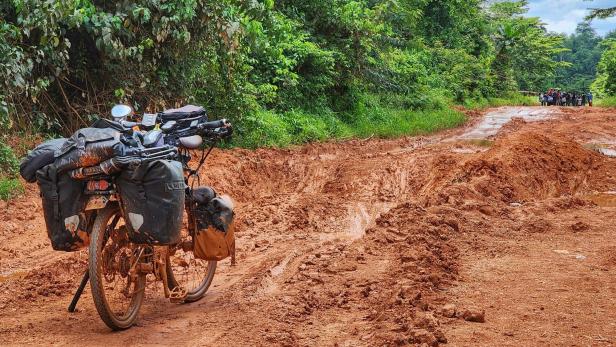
[609, 101]
[370, 115]
[379, 115]
[10, 188]
[512, 99]
[388, 122]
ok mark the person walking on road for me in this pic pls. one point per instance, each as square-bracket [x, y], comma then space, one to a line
[568, 99]
[590, 99]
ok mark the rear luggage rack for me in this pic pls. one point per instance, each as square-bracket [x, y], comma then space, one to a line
[117, 164]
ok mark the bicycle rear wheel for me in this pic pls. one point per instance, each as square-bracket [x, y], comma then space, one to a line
[117, 289]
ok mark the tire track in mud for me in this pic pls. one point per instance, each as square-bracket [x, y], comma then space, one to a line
[350, 243]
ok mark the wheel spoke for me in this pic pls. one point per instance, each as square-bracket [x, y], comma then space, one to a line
[193, 275]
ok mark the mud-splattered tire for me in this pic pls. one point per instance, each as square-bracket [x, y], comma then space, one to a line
[98, 240]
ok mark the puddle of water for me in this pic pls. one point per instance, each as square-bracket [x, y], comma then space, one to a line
[359, 222]
[362, 218]
[605, 199]
[472, 146]
[493, 121]
[608, 152]
[279, 269]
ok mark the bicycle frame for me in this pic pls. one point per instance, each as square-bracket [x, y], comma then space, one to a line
[157, 255]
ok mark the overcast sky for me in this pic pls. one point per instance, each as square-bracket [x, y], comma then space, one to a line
[563, 15]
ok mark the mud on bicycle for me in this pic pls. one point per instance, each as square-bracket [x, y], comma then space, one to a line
[126, 190]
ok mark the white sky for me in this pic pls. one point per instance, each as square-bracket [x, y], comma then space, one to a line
[564, 15]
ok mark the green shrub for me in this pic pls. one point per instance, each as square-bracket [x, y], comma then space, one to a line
[381, 115]
[10, 186]
[510, 99]
[61, 62]
[262, 129]
[9, 165]
[608, 101]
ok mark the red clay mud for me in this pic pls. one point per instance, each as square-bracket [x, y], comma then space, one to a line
[431, 240]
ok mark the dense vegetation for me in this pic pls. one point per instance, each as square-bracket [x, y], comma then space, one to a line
[605, 83]
[583, 52]
[285, 71]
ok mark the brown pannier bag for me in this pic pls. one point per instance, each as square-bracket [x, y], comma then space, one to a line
[214, 244]
[215, 229]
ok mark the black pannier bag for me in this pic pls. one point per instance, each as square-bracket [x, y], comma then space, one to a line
[63, 203]
[89, 147]
[177, 114]
[153, 198]
[39, 157]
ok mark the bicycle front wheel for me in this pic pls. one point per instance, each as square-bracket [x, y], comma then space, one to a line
[194, 275]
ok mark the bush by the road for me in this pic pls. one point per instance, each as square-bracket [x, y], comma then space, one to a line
[10, 186]
[609, 101]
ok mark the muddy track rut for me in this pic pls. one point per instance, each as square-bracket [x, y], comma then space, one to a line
[374, 242]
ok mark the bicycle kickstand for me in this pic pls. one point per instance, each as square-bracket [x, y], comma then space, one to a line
[82, 285]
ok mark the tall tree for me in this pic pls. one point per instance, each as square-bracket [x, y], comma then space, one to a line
[602, 13]
[605, 84]
[583, 54]
[524, 49]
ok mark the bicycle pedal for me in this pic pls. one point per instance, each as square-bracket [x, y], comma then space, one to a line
[178, 295]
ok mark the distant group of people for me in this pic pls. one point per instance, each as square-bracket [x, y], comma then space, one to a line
[555, 97]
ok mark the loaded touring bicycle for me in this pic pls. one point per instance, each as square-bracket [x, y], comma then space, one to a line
[126, 191]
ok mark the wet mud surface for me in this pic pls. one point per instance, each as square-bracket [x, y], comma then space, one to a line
[483, 235]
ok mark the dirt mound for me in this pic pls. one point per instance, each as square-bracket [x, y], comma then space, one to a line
[55, 279]
[388, 285]
[526, 166]
[408, 299]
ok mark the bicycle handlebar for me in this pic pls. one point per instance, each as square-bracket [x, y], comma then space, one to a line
[221, 123]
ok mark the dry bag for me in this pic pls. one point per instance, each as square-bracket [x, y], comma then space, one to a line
[185, 112]
[89, 147]
[39, 157]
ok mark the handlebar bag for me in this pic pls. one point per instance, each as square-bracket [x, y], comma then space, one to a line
[63, 205]
[152, 198]
[214, 238]
[39, 157]
[88, 147]
[188, 111]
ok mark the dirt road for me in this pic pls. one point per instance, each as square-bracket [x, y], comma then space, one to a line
[375, 242]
